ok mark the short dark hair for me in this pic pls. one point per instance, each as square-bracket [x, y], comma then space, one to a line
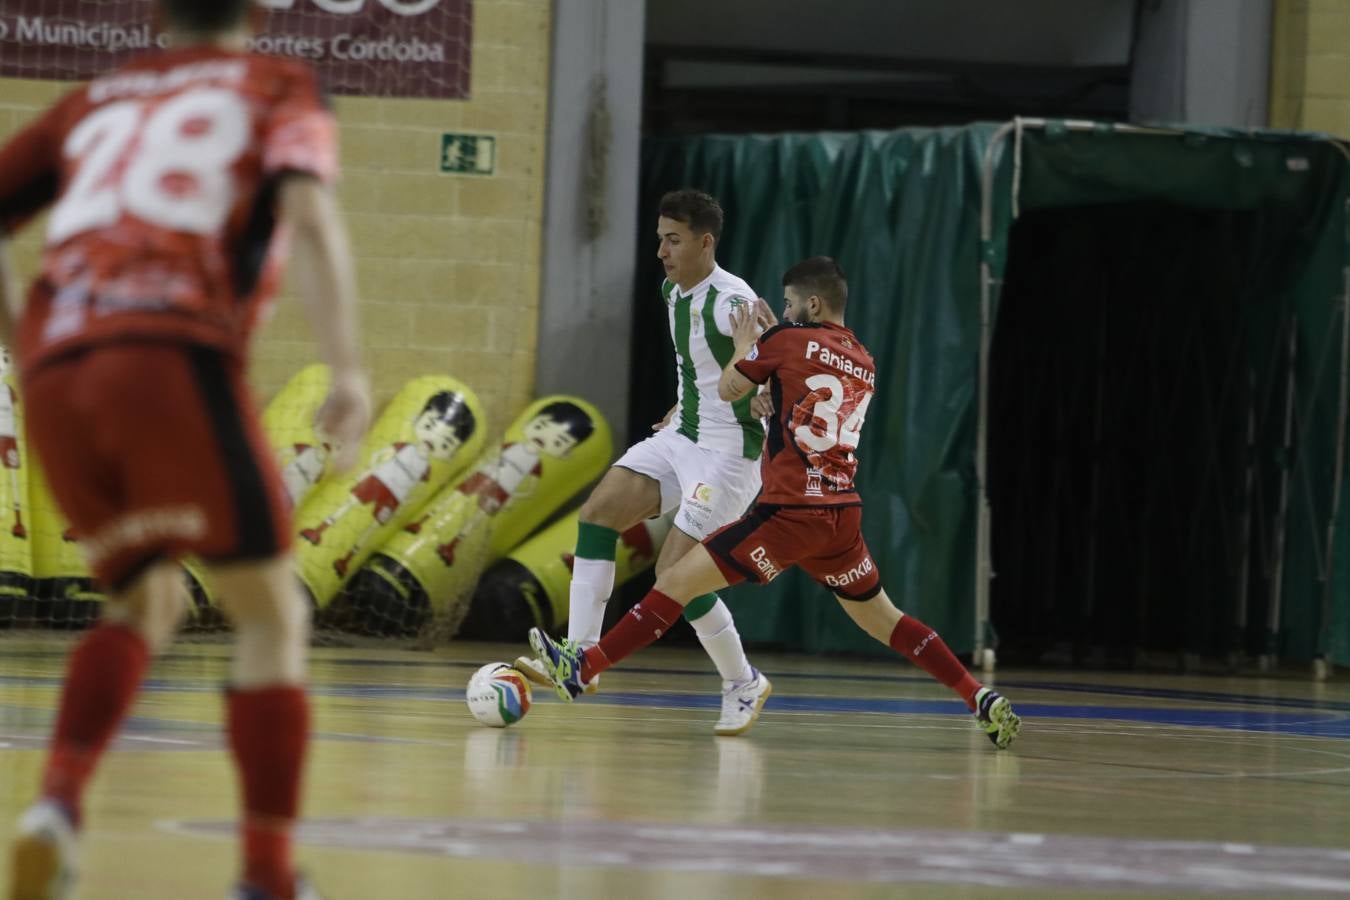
[577, 420]
[699, 210]
[205, 16]
[453, 410]
[821, 276]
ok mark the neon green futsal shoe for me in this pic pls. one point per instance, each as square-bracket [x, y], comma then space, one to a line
[995, 716]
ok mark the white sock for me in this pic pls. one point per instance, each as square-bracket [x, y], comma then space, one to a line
[717, 632]
[592, 583]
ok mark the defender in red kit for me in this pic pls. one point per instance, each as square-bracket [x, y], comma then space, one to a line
[821, 382]
[170, 182]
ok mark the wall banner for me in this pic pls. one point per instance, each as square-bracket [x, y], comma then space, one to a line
[384, 48]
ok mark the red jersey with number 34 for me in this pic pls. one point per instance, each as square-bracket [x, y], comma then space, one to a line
[822, 379]
[164, 178]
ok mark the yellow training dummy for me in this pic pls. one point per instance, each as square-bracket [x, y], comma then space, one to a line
[428, 434]
[556, 447]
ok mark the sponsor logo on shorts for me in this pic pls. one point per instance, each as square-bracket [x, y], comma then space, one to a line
[856, 573]
[766, 566]
[699, 505]
[703, 493]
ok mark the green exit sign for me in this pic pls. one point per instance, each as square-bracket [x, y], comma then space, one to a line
[468, 154]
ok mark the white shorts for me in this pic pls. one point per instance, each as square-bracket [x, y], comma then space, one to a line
[709, 487]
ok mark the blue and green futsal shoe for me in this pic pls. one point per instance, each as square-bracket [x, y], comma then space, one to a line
[561, 661]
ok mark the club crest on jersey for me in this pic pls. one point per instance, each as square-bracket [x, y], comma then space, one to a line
[813, 483]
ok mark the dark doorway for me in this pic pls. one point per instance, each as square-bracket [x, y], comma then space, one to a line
[1136, 433]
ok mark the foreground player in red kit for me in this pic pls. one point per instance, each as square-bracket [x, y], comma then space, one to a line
[821, 380]
[170, 178]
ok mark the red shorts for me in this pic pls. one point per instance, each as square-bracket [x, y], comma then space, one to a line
[372, 490]
[9, 451]
[154, 451]
[825, 542]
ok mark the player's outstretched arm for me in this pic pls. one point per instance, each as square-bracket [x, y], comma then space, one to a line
[321, 261]
[745, 330]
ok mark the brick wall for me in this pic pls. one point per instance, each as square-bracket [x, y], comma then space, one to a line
[1310, 66]
[448, 265]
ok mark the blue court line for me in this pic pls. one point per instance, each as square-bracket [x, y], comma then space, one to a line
[1177, 694]
[1069, 687]
[1285, 723]
[1236, 720]
[1213, 697]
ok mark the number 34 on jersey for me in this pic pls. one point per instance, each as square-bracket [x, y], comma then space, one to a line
[822, 379]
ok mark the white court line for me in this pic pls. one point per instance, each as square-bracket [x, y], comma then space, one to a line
[1016, 859]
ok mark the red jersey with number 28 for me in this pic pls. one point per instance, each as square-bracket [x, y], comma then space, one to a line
[164, 176]
[822, 379]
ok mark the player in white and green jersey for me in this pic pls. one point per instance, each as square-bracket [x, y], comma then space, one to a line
[700, 327]
[702, 462]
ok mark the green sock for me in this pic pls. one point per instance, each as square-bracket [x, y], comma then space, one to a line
[596, 541]
[700, 607]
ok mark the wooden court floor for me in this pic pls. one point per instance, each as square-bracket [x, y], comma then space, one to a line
[862, 780]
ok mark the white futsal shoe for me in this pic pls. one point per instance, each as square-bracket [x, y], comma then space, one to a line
[44, 861]
[741, 704]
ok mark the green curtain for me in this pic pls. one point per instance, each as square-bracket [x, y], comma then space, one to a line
[901, 212]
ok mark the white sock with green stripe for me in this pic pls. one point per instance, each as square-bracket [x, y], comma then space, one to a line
[717, 632]
[592, 582]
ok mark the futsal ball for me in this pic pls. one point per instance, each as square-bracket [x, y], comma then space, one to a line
[498, 695]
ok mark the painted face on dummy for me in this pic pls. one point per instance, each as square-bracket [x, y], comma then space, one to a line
[549, 437]
[436, 435]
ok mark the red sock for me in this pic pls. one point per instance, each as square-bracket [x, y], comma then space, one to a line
[102, 678]
[921, 645]
[269, 731]
[646, 622]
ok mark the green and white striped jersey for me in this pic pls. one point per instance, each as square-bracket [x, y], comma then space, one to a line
[700, 326]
